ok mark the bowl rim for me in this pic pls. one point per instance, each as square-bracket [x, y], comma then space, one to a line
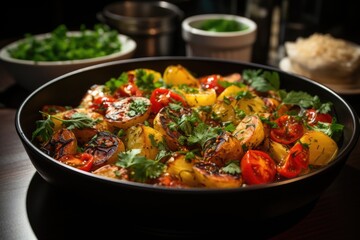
[152, 188]
[128, 46]
[187, 25]
[173, 11]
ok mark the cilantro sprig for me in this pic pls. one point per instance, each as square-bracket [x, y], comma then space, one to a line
[305, 100]
[262, 81]
[146, 80]
[202, 133]
[141, 168]
[114, 83]
[45, 128]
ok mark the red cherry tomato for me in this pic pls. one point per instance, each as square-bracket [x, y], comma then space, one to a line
[257, 167]
[128, 89]
[288, 130]
[82, 161]
[101, 104]
[300, 154]
[212, 81]
[295, 162]
[161, 97]
[313, 117]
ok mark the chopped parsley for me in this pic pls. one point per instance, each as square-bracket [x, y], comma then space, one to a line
[141, 168]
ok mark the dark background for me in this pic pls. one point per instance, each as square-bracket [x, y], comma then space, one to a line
[301, 17]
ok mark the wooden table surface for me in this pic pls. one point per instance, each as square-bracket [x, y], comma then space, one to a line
[30, 208]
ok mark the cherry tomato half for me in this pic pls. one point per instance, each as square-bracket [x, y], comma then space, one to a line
[128, 89]
[257, 167]
[82, 161]
[288, 130]
[212, 81]
[161, 97]
[295, 162]
[313, 117]
[101, 104]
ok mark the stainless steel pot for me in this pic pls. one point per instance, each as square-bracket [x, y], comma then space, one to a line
[153, 25]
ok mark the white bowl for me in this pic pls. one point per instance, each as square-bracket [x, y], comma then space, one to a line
[226, 45]
[32, 74]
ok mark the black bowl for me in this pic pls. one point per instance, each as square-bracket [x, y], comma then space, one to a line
[249, 203]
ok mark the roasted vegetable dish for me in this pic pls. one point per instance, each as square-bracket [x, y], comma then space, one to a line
[176, 129]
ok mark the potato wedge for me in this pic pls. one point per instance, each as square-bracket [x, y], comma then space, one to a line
[145, 138]
[250, 105]
[323, 148]
[224, 112]
[209, 175]
[181, 168]
[162, 121]
[178, 75]
[231, 91]
[201, 98]
[62, 142]
[250, 131]
[278, 151]
[223, 149]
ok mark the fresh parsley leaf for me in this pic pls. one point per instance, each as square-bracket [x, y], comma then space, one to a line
[79, 121]
[262, 81]
[137, 107]
[144, 80]
[202, 133]
[114, 83]
[305, 100]
[334, 129]
[232, 168]
[141, 168]
[44, 129]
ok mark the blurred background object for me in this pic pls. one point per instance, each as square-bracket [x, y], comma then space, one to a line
[223, 36]
[153, 25]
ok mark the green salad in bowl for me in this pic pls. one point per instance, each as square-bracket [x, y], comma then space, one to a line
[36, 59]
[62, 46]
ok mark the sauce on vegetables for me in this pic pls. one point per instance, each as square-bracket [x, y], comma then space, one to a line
[178, 130]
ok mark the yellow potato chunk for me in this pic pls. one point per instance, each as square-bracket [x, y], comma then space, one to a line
[231, 91]
[145, 138]
[182, 169]
[323, 149]
[250, 105]
[201, 98]
[178, 75]
[250, 131]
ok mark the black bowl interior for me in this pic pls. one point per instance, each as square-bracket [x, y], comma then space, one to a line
[261, 201]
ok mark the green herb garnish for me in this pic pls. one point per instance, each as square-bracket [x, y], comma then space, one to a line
[61, 46]
[140, 167]
[222, 25]
[45, 128]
